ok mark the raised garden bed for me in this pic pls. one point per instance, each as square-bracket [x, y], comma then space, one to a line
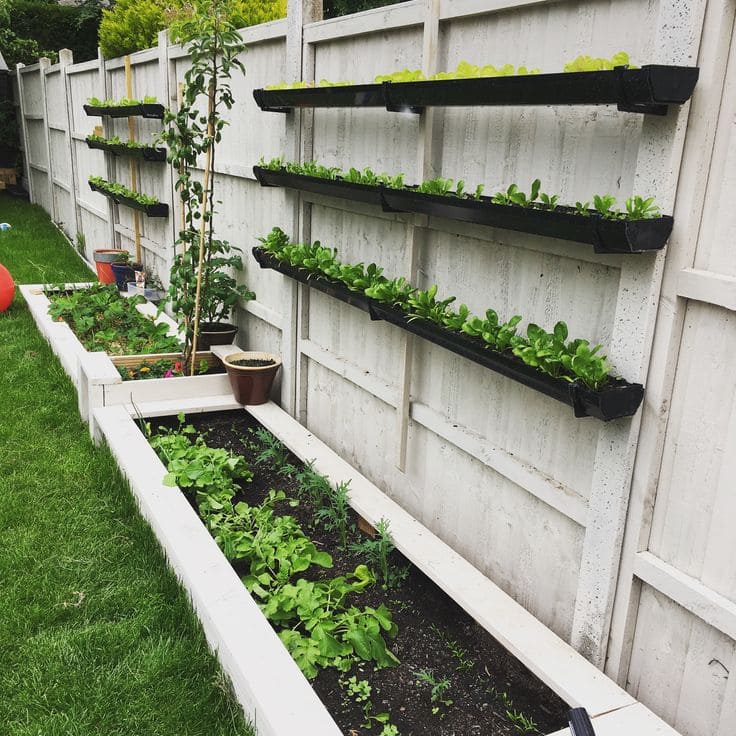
[159, 209]
[96, 376]
[147, 153]
[261, 670]
[478, 675]
[647, 90]
[611, 236]
[616, 400]
[145, 110]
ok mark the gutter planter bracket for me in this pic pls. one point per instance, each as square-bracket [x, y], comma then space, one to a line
[626, 105]
[647, 91]
[619, 236]
[391, 106]
[616, 400]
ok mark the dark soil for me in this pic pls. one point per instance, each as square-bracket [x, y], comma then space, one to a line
[253, 362]
[434, 634]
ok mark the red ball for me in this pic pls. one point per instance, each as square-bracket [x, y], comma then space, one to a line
[7, 288]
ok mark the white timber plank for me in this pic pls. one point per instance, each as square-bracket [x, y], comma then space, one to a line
[559, 666]
[178, 388]
[555, 494]
[634, 720]
[709, 287]
[688, 592]
[370, 21]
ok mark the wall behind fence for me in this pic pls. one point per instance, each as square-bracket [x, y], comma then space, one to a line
[534, 497]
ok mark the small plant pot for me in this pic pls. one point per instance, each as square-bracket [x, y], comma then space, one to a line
[216, 333]
[104, 258]
[123, 272]
[251, 383]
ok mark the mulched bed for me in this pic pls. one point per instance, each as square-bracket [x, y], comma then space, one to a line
[486, 681]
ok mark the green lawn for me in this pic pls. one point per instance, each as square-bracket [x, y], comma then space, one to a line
[96, 637]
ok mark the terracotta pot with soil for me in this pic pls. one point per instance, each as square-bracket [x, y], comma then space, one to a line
[251, 375]
[216, 333]
[104, 258]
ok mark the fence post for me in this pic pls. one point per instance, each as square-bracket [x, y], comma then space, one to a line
[43, 67]
[114, 238]
[24, 130]
[66, 59]
[167, 97]
[299, 65]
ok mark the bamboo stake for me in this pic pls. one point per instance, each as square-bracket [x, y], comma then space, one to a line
[133, 171]
[183, 222]
[203, 224]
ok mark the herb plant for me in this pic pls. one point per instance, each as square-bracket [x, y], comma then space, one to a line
[438, 688]
[377, 551]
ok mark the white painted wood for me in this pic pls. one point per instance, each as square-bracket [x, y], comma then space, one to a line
[27, 158]
[249, 651]
[132, 393]
[370, 21]
[708, 287]
[562, 499]
[657, 167]
[546, 655]
[634, 720]
[688, 592]
[452, 9]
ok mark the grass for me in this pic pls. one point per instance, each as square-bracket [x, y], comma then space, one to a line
[96, 635]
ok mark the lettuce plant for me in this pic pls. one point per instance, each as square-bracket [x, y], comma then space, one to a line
[550, 353]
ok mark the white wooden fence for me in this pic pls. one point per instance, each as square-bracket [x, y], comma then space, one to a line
[637, 575]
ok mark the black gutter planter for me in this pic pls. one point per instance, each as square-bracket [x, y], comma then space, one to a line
[160, 209]
[616, 400]
[329, 187]
[152, 111]
[606, 236]
[148, 153]
[564, 223]
[647, 90]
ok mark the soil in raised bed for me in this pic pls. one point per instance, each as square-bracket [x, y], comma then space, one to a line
[488, 685]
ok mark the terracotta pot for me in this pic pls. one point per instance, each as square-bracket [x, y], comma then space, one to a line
[104, 258]
[251, 384]
[215, 333]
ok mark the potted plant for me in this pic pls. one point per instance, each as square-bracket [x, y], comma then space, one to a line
[124, 270]
[104, 259]
[251, 375]
[203, 290]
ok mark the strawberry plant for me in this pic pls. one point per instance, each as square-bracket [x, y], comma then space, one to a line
[104, 320]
